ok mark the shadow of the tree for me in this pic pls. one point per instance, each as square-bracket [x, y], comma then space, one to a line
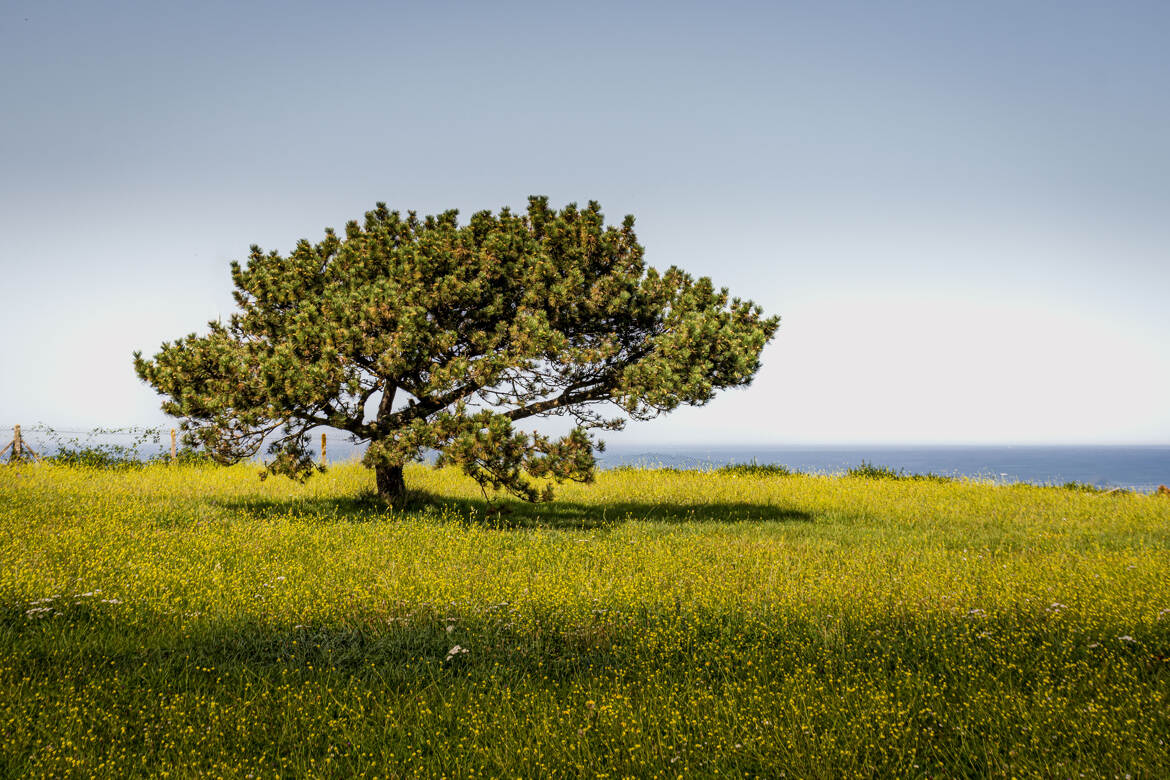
[405, 643]
[398, 669]
[515, 514]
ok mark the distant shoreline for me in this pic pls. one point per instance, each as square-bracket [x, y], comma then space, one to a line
[1140, 467]
[1132, 467]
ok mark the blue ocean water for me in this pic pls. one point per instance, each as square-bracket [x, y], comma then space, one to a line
[1134, 468]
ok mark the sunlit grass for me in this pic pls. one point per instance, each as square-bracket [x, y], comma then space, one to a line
[198, 621]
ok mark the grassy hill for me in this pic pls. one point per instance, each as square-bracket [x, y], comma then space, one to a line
[196, 621]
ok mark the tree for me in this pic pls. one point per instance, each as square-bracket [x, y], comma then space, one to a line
[424, 334]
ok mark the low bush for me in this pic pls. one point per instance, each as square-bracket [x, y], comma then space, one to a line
[871, 471]
[754, 469]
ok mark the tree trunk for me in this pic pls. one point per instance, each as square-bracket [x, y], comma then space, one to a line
[391, 485]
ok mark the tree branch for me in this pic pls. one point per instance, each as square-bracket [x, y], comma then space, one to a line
[596, 393]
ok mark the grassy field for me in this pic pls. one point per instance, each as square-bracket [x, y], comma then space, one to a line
[186, 621]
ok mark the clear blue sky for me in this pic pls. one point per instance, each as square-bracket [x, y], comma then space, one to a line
[960, 210]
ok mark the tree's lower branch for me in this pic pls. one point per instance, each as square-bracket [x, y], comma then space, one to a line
[595, 393]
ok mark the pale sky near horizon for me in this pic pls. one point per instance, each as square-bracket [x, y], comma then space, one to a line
[960, 210]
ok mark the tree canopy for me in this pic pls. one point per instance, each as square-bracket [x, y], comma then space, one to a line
[427, 334]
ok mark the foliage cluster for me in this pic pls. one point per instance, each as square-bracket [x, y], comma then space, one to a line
[656, 623]
[1085, 487]
[755, 469]
[868, 470]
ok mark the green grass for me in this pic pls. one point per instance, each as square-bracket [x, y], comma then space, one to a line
[198, 622]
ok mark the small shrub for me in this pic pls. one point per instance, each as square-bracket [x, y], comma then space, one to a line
[930, 476]
[754, 469]
[97, 457]
[1081, 487]
[868, 470]
[188, 456]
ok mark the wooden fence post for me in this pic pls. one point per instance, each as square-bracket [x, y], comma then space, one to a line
[174, 454]
[19, 448]
[322, 449]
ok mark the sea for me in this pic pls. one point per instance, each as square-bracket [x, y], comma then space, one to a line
[1139, 468]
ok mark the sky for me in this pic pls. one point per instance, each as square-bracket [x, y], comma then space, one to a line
[961, 211]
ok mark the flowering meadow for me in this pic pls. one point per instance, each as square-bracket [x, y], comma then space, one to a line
[190, 621]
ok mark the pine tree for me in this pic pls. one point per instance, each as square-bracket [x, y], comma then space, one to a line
[425, 334]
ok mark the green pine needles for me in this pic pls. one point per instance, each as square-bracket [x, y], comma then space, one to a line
[423, 334]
